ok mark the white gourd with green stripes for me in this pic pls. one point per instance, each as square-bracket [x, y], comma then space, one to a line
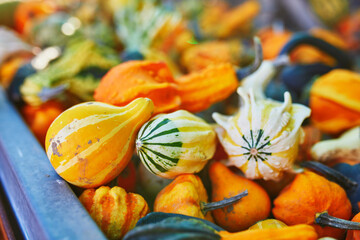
[175, 143]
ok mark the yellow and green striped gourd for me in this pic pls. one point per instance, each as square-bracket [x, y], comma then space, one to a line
[175, 143]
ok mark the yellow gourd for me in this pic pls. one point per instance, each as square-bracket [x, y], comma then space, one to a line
[91, 143]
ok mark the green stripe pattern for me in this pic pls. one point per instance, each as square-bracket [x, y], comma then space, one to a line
[167, 139]
[158, 145]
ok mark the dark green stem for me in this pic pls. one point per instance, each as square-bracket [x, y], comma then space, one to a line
[324, 219]
[206, 207]
[330, 174]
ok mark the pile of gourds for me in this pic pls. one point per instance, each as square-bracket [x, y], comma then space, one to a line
[194, 135]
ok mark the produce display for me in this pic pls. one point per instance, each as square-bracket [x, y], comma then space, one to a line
[195, 119]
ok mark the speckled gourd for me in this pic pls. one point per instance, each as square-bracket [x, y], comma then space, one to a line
[91, 143]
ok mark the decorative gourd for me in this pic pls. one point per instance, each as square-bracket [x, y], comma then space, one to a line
[273, 41]
[166, 226]
[347, 176]
[170, 226]
[237, 19]
[298, 77]
[307, 54]
[346, 146]
[354, 234]
[338, 92]
[241, 215]
[187, 195]
[114, 211]
[199, 56]
[298, 232]
[308, 199]
[198, 90]
[91, 143]
[268, 224]
[133, 79]
[175, 143]
[39, 118]
[262, 138]
[28, 12]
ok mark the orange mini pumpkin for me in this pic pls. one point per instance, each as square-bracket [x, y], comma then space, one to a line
[134, 79]
[308, 196]
[115, 211]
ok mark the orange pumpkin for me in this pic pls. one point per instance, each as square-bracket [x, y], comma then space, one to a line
[199, 90]
[39, 118]
[134, 79]
[114, 211]
[91, 143]
[243, 214]
[310, 194]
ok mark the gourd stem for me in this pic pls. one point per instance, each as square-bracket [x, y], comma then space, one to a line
[281, 61]
[206, 207]
[330, 174]
[324, 219]
[244, 72]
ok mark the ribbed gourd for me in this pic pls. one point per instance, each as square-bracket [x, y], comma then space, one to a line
[91, 143]
[114, 210]
[262, 139]
[175, 143]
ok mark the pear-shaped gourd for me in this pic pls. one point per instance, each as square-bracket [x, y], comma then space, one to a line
[91, 143]
[175, 143]
[243, 214]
